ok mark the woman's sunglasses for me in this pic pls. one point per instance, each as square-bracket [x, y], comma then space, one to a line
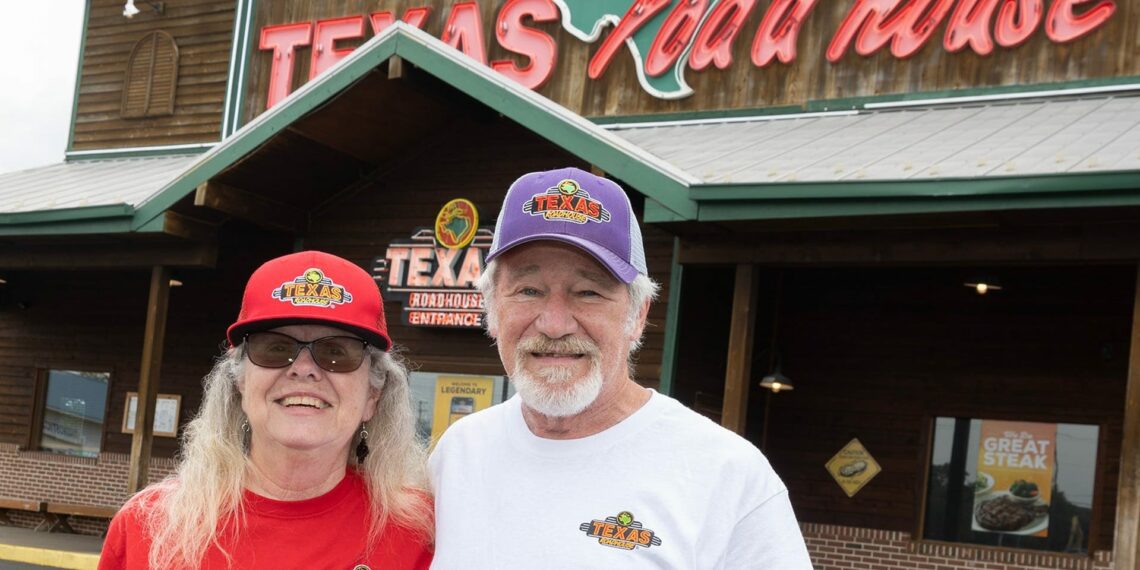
[332, 353]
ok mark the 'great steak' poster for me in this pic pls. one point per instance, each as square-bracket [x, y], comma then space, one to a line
[1013, 488]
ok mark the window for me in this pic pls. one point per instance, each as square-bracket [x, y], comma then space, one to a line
[71, 417]
[440, 400]
[151, 77]
[1011, 484]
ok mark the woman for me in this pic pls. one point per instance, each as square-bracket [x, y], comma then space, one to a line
[303, 453]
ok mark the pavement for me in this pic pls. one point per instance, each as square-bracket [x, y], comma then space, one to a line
[25, 549]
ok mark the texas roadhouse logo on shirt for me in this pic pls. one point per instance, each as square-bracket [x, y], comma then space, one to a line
[313, 289]
[621, 532]
[567, 202]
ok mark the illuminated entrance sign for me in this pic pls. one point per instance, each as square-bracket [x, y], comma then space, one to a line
[433, 273]
[667, 37]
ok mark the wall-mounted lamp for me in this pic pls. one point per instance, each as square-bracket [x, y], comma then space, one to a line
[130, 11]
[3, 280]
[175, 283]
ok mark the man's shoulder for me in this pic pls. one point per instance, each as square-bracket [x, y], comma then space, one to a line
[687, 432]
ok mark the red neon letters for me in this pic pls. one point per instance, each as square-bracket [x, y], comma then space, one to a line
[707, 29]
[535, 45]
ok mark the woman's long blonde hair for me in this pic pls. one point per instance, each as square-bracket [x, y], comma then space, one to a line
[190, 510]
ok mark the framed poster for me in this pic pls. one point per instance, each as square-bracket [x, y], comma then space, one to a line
[166, 410]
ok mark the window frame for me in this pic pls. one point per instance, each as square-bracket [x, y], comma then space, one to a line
[39, 403]
[926, 450]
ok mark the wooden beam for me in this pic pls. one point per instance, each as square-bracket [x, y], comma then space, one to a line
[153, 340]
[185, 227]
[249, 206]
[1093, 243]
[742, 329]
[100, 255]
[395, 67]
[1126, 538]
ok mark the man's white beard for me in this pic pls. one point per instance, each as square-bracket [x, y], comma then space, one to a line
[553, 390]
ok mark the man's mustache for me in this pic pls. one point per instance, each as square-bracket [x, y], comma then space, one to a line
[564, 345]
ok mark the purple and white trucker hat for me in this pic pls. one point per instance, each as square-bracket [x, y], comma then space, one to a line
[574, 207]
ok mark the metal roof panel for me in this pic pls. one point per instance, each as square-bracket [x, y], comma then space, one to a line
[975, 140]
[87, 183]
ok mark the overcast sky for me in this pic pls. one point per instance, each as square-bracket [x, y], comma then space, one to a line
[39, 50]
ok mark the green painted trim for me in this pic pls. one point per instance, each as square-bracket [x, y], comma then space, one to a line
[67, 214]
[235, 94]
[859, 102]
[109, 219]
[139, 153]
[834, 208]
[656, 213]
[436, 58]
[698, 115]
[849, 103]
[78, 77]
[672, 322]
[941, 188]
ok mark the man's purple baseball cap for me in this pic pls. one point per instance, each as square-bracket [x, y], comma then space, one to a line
[574, 207]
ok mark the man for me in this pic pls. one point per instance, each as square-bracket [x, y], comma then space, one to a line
[585, 468]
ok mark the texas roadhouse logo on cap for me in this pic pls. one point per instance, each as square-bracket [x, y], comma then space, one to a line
[312, 289]
[567, 202]
[621, 532]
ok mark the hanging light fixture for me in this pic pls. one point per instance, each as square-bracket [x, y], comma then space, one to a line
[776, 382]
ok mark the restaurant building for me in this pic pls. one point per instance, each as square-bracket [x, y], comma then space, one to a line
[899, 240]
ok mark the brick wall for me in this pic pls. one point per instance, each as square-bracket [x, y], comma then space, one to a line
[835, 547]
[50, 477]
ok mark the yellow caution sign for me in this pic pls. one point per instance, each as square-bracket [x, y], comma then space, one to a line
[853, 467]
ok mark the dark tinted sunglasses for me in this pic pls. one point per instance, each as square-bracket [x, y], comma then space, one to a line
[332, 353]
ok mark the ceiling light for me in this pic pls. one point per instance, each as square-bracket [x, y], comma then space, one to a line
[983, 287]
[777, 382]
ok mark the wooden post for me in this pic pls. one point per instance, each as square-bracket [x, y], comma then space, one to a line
[1126, 539]
[153, 341]
[734, 415]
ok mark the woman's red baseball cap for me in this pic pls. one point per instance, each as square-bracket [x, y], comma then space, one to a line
[312, 287]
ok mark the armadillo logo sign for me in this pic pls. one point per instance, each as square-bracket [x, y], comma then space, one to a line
[433, 273]
[456, 224]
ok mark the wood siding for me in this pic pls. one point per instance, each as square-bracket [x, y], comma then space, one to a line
[877, 354]
[1109, 51]
[94, 320]
[203, 31]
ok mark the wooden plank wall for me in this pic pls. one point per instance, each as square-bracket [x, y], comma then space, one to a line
[202, 29]
[360, 228]
[95, 319]
[878, 353]
[1108, 52]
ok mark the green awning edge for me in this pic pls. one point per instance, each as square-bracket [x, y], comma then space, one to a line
[578, 136]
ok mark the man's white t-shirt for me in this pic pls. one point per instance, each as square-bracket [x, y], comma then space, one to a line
[665, 488]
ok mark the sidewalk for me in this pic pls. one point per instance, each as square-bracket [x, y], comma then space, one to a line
[54, 550]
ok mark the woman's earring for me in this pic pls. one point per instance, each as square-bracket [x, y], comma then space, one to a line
[362, 447]
[245, 426]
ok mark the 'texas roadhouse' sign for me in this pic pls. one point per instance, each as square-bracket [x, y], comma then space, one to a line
[433, 273]
[668, 37]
